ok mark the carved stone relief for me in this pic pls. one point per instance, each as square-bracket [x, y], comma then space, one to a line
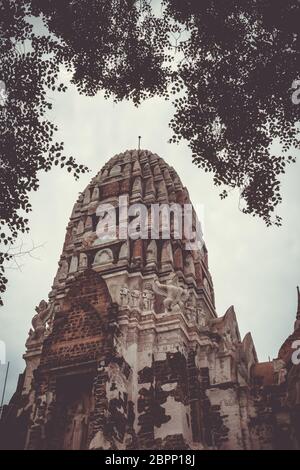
[175, 296]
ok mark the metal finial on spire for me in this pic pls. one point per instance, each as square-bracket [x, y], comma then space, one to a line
[298, 307]
[297, 322]
[139, 145]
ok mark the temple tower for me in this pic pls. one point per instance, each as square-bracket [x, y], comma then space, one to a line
[128, 351]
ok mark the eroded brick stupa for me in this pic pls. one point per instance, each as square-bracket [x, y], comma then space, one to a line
[128, 352]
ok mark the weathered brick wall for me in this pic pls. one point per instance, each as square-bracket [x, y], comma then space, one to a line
[163, 398]
[80, 327]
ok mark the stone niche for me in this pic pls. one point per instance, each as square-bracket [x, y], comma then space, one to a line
[75, 405]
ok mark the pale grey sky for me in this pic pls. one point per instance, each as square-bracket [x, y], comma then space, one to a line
[254, 268]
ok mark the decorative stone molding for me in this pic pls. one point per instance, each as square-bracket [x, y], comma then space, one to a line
[39, 323]
[103, 257]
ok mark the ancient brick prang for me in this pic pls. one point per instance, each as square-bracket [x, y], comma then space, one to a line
[128, 352]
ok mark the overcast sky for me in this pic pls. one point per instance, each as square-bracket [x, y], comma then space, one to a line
[254, 268]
